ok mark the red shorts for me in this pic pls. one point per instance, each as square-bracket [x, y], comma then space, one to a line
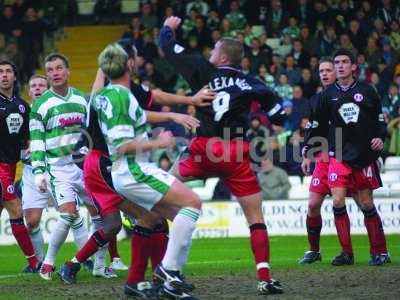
[319, 181]
[98, 182]
[342, 175]
[228, 160]
[7, 176]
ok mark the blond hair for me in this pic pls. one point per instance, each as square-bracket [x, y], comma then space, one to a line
[113, 61]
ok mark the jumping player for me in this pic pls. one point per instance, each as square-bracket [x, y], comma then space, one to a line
[354, 109]
[219, 148]
[14, 129]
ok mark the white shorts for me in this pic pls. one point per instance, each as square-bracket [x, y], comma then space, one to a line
[140, 182]
[31, 197]
[66, 185]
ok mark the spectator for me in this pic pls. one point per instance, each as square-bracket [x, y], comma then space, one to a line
[189, 23]
[308, 41]
[388, 12]
[283, 89]
[276, 18]
[10, 26]
[395, 36]
[150, 50]
[199, 6]
[292, 30]
[257, 135]
[246, 65]
[301, 56]
[148, 19]
[356, 36]
[215, 36]
[373, 53]
[303, 12]
[266, 77]
[326, 41]
[201, 33]
[285, 46]
[291, 70]
[377, 84]
[273, 180]
[257, 56]
[151, 74]
[226, 29]
[363, 67]
[314, 67]
[345, 43]
[235, 17]
[390, 101]
[213, 20]
[104, 9]
[308, 85]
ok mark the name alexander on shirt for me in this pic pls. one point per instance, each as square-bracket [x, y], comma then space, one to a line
[223, 82]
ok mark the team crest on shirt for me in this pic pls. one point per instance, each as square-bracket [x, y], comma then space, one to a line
[349, 112]
[315, 181]
[358, 97]
[332, 177]
[10, 189]
[21, 108]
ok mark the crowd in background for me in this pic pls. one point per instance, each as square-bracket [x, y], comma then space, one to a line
[283, 42]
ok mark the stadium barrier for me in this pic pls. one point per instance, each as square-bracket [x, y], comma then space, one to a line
[226, 219]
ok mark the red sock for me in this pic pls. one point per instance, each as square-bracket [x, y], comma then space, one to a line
[140, 252]
[314, 226]
[24, 241]
[342, 223]
[96, 240]
[260, 247]
[375, 231]
[159, 242]
[112, 248]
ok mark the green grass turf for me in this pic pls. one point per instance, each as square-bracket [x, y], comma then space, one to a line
[208, 257]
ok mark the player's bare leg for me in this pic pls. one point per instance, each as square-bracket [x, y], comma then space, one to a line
[342, 223]
[20, 232]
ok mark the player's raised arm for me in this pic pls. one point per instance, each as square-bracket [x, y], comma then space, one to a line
[194, 68]
[201, 98]
[271, 103]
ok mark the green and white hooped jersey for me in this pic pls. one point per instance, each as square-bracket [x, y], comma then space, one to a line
[55, 126]
[121, 120]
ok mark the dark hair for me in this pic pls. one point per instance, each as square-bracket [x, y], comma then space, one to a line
[10, 63]
[54, 56]
[345, 52]
[233, 48]
[129, 47]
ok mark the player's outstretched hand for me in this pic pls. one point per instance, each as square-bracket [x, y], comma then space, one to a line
[376, 144]
[166, 139]
[172, 22]
[40, 182]
[306, 166]
[203, 97]
[186, 121]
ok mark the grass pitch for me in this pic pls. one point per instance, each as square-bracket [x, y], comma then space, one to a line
[224, 269]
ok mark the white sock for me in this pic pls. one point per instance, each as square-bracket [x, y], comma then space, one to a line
[57, 237]
[100, 255]
[80, 232]
[180, 238]
[37, 242]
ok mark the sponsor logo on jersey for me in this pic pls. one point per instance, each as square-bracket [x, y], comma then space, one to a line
[77, 120]
[358, 97]
[178, 49]
[21, 108]
[349, 112]
[332, 177]
[315, 181]
[14, 122]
